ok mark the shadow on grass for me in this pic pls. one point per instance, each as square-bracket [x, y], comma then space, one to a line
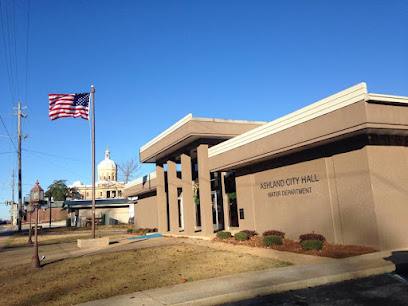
[51, 262]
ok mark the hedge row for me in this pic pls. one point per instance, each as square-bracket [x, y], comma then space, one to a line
[223, 235]
[310, 241]
[311, 245]
[272, 240]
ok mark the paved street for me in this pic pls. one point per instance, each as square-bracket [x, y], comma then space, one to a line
[385, 289]
[7, 229]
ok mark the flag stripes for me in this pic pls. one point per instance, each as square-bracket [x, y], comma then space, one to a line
[69, 105]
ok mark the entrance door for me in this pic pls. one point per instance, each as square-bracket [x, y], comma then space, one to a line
[218, 212]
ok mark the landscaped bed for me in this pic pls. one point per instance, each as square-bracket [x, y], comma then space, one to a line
[86, 278]
[328, 250]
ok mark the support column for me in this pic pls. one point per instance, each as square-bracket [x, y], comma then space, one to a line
[161, 200]
[205, 190]
[172, 190]
[188, 203]
[226, 202]
[334, 201]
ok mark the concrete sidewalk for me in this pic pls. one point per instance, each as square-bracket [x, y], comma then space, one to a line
[252, 284]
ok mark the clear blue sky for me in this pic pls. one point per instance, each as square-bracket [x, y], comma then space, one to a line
[152, 62]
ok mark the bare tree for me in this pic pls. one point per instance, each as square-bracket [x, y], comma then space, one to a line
[128, 169]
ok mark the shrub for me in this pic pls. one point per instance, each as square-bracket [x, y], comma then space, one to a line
[130, 230]
[311, 236]
[250, 233]
[272, 240]
[223, 235]
[311, 245]
[274, 233]
[241, 236]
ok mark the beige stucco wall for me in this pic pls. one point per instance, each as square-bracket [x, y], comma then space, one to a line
[389, 179]
[293, 199]
[146, 213]
[244, 194]
[357, 197]
[354, 194]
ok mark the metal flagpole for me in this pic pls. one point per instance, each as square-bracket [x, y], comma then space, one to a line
[93, 161]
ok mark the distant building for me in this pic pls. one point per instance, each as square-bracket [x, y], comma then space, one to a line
[14, 213]
[57, 213]
[107, 186]
[111, 207]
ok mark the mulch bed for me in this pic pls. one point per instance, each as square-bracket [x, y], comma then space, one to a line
[331, 250]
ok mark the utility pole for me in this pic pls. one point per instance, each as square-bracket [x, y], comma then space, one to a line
[20, 192]
[12, 187]
[49, 205]
[12, 194]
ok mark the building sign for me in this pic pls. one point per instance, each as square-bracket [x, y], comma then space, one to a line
[296, 185]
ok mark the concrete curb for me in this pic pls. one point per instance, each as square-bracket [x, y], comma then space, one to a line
[244, 295]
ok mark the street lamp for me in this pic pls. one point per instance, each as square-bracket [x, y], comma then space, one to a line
[30, 210]
[36, 196]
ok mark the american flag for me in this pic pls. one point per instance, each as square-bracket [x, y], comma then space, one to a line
[72, 105]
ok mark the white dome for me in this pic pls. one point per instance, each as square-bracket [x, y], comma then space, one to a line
[77, 184]
[107, 164]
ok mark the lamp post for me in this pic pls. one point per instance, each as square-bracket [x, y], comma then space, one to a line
[36, 196]
[30, 209]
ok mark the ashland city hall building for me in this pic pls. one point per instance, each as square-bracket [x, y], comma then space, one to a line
[338, 167]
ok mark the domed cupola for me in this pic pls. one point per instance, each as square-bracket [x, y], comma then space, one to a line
[107, 170]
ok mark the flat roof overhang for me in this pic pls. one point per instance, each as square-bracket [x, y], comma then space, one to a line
[188, 133]
[349, 113]
[141, 185]
[105, 203]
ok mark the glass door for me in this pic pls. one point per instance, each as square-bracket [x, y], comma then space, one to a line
[218, 213]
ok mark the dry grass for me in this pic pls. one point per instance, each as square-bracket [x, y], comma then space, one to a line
[87, 278]
[66, 235]
[16, 241]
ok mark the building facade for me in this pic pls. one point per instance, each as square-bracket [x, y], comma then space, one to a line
[338, 167]
[107, 186]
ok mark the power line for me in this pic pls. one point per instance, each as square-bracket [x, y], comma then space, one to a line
[52, 155]
[6, 55]
[28, 31]
[11, 57]
[47, 160]
[15, 47]
[8, 133]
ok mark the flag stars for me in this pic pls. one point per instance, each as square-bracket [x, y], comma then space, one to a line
[81, 99]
